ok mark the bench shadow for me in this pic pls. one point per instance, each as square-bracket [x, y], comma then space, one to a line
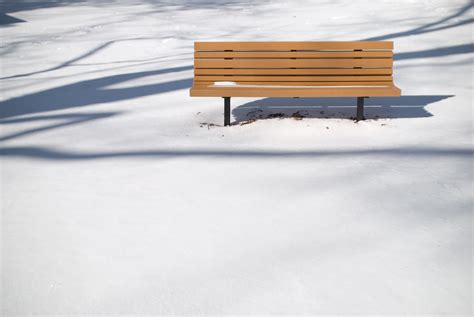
[338, 108]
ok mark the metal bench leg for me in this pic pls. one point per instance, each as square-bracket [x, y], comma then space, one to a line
[360, 108]
[226, 111]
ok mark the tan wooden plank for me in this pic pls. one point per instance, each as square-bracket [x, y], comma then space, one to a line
[295, 92]
[288, 63]
[362, 54]
[292, 78]
[301, 71]
[286, 46]
[204, 84]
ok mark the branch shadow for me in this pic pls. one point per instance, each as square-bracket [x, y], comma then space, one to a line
[10, 6]
[159, 6]
[55, 154]
[91, 91]
[65, 120]
[8, 20]
[91, 52]
[436, 52]
[338, 108]
[431, 27]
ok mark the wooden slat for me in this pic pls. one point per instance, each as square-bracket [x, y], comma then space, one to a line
[297, 63]
[293, 78]
[285, 46]
[296, 92]
[362, 54]
[301, 71]
[211, 84]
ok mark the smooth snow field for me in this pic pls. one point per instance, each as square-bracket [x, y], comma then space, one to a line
[122, 195]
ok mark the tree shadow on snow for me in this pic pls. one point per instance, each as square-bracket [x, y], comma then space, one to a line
[10, 6]
[340, 108]
[436, 52]
[8, 20]
[59, 121]
[46, 153]
[451, 21]
[92, 91]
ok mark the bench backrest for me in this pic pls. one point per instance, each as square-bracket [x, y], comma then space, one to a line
[294, 63]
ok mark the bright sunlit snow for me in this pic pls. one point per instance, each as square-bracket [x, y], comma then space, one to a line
[123, 195]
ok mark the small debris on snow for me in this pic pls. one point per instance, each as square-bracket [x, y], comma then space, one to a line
[248, 121]
[209, 125]
[297, 116]
[278, 115]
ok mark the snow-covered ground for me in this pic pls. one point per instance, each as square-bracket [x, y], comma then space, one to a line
[120, 196]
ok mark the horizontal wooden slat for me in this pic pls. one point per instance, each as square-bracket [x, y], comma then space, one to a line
[297, 63]
[295, 92]
[301, 71]
[204, 84]
[285, 46]
[362, 54]
[293, 78]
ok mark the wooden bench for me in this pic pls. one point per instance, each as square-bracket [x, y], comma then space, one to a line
[293, 69]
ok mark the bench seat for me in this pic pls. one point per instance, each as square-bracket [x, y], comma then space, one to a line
[293, 69]
[282, 90]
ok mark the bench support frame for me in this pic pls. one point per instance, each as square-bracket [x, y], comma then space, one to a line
[226, 111]
[359, 115]
[360, 108]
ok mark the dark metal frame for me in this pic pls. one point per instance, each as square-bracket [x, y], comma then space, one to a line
[360, 108]
[226, 111]
[359, 116]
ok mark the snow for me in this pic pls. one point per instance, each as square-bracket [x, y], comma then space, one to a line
[225, 83]
[123, 195]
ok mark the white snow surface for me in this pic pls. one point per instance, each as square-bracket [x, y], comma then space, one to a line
[123, 195]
